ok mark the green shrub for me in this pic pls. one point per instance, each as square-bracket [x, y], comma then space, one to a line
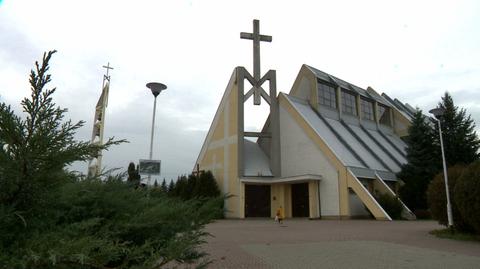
[95, 224]
[467, 195]
[391, 205]
[437, 201]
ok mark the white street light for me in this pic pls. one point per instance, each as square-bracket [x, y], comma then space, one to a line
[438, 112]
[156, 89]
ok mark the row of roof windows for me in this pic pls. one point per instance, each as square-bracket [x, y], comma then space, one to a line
[327, 97]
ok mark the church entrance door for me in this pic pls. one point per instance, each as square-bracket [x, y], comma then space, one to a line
[257, 201]
[300, 205]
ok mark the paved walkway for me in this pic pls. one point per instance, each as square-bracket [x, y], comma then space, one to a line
[302, 243]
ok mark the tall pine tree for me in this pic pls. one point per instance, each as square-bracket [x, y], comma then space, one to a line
[423, 161]
[460, 140]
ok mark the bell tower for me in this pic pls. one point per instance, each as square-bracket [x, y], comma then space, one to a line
[95, 164]
[270, 135]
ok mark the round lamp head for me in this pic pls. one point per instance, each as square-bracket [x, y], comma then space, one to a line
[156, 87]
[437, 112]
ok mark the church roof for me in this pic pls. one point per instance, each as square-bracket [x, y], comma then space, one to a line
[346, 85]
[366, 150]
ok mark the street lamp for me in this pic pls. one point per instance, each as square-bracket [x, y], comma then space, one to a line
[156, 89]
[438, 112]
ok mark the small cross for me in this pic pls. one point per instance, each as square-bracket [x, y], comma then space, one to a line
[108, 68]
[198, 171]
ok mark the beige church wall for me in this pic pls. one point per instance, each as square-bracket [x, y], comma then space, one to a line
[236, 202]
[214, 162]
[219, 152]
[305, 86]
[300, 155]
[277, 198]
[313, 202]
[288, 200]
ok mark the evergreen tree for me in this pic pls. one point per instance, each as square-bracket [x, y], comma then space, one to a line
[155, 184]
[37, 148]
[181, 188]
[133, 175]
[460, 140]
[423, 162]
[190, 187]
[164, 187]
[171, 188]
[206, 186]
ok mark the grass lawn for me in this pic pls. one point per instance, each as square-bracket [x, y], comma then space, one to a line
[447, 233]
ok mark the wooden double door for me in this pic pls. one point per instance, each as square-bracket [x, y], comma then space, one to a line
[257, 201]
[300, 203]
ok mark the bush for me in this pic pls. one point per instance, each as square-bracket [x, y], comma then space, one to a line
[391, 205]
[467, 195]
[437, 201]
[95, 224]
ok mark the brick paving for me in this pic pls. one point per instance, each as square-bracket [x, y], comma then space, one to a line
[301, 243]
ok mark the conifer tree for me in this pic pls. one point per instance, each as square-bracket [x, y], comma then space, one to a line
[171, 188]
[206, 186]
[460, 140]
[164, 187]
[133, 175]
[36, 148]
[423, 162]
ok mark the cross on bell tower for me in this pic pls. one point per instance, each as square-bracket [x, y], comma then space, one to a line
[256, 37]
[272, 132]
[95, 164]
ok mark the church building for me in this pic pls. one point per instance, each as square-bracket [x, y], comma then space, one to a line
[327, 149]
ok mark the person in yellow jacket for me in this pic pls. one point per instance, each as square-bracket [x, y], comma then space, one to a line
[280, 215]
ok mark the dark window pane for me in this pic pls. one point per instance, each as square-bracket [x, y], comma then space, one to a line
[327, 95]
[384, 115]
[349, 105]
[367, 109]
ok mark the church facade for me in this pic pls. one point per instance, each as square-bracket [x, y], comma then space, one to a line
[327, 149]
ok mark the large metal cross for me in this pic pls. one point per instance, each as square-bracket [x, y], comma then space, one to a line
[256, 37]
[108, 68]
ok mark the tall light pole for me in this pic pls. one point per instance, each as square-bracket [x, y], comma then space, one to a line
[438, 112]
[156, 89]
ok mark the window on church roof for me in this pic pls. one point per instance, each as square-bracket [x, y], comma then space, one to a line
[367, 109]
[327, 95]
[384, 115]
[349, 105]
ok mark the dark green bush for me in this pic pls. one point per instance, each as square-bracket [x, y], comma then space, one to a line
[437, 201]
[391, 205]
[467, 195]
[95, 224]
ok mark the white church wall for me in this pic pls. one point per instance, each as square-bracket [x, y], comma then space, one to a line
[302, 156]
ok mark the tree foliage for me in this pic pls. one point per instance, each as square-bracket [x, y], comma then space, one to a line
[133, 174]
[35, 149]
[49, 218]
[461, 146]
[423, 162]
[194, 186]
[437, 201]
[467, 195]
[460, 140]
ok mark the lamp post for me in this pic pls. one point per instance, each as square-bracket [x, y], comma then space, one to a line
[156, 89]
[438, 112]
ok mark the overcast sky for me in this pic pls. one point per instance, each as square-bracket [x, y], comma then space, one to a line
[411, 50]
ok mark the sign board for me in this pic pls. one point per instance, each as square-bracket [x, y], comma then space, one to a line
[149, 167]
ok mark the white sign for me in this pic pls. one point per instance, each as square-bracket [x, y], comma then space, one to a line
[149, 167]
